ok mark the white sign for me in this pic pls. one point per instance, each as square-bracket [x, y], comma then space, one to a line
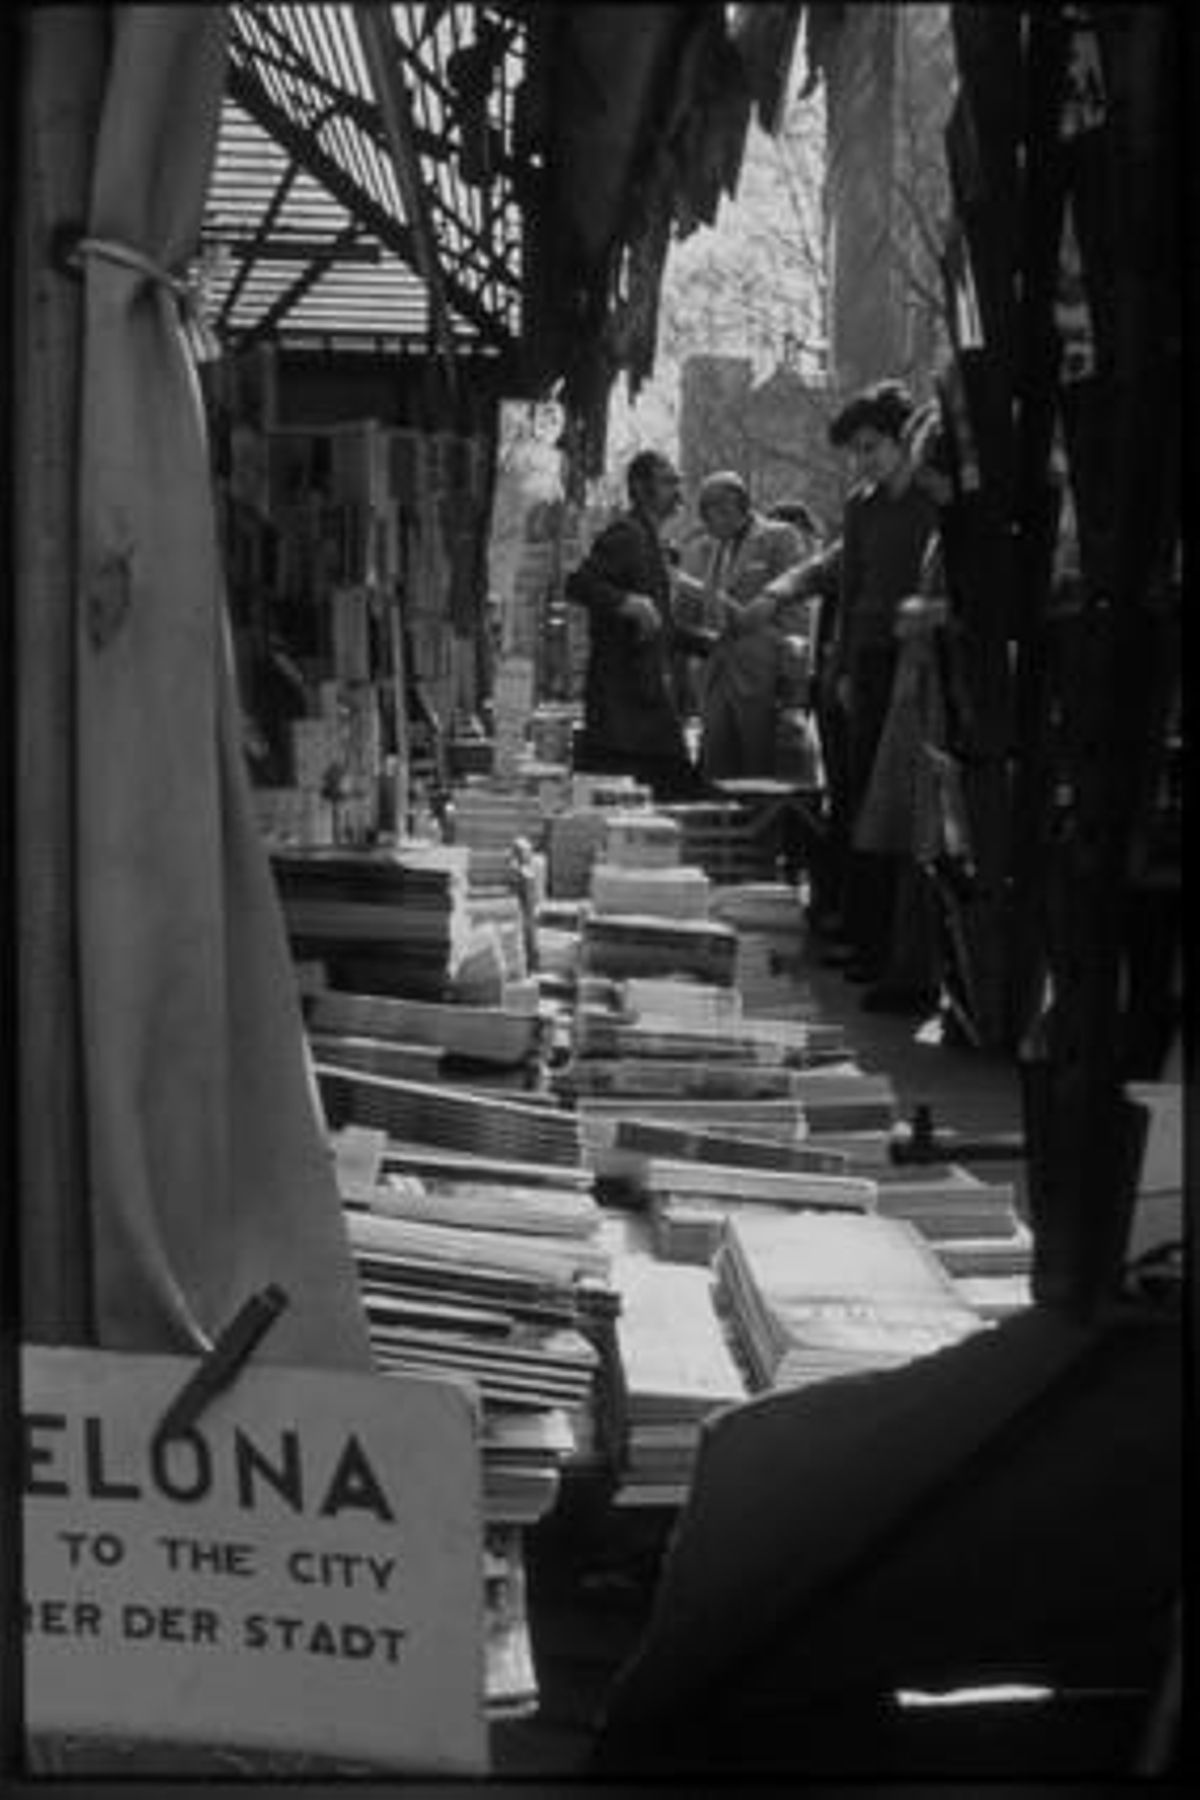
[301, 1571]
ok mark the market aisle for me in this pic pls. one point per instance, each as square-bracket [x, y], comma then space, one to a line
[592, 1582]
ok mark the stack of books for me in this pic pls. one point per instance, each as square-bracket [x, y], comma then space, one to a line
[726, 840]
[489, 816]
[684, 1002]
[686, 1077]
[682, 1143]
[772, 907]
[816, 1294]
[671, 893]
[495, 1034]
[772, 936]
[973, 1228]
[512, 1314]
[574, 841]
[641, 839]
[642, 945]
[842, 1098]
[691, 1202]
[677, 1369]
[526, 1129]
[605, 1031]
[381, 921]
[600, 1117]
[510, 1675]
[946, 1201]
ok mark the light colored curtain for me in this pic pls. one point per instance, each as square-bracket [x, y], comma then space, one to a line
[207, 1173]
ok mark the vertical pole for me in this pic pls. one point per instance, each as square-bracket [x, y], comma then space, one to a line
[399, 671]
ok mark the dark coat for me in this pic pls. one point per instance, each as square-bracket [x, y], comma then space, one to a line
[628, 706]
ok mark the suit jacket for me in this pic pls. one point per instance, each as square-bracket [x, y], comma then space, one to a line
[744, 664]
[628, 702]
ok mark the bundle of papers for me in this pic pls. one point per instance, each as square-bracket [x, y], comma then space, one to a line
[687, 1228]
[641, 840]
[771, 1187]
[655, 1077]
[776, 1121]
[671, 893]
[604, 1032]
[725, 839]
[628, 945]
[647, 1138]
[996, 1297]
[773, 907]
[392, 921]
[510, 1677]
[431, 1161]
[488, 1205]
[840, 1097]
[767, 974]
[485, 1034]
[969, 1256]
[817, 1294]
[574, 841]
[685, 1003]
[677, 1369]
[453, 1117]
[512, 1316]
[558, 1260]
[944, 1200]
[524, 1451]
[377, 1055]
[489, 817]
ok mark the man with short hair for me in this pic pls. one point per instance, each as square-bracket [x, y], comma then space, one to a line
[631, 722]
[887, 528]
[741, 676]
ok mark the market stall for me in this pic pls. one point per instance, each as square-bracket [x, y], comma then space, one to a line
[378, 1109]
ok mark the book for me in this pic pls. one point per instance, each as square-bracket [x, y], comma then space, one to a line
[677, 1370]
[815, 1294]
[628, 945]
[659, 1077]
[491, 1034]
[451, 1116]
[673, 893]
[777, 1187]
[493, 1206]
[695, 1144]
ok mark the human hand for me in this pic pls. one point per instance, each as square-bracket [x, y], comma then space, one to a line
[643, 614]
[688, 586]
[758, 612]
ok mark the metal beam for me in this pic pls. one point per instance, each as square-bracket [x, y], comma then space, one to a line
[295, 292]
[285, 249]
[282, 190]
[381, 52]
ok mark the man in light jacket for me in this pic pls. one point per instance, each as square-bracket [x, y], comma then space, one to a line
[741, 675]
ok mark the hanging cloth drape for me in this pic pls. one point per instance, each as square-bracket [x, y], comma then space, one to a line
[208, 1174]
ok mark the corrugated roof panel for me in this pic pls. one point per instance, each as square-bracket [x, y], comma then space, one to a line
[301, 72]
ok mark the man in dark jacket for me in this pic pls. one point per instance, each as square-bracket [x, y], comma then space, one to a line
[887, 526]
[631, 722]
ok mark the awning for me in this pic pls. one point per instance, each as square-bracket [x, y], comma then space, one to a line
[496, 182]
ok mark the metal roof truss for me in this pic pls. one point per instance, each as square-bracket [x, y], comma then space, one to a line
[366, 185]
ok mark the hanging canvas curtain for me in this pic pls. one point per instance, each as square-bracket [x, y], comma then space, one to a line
[205, 1167]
